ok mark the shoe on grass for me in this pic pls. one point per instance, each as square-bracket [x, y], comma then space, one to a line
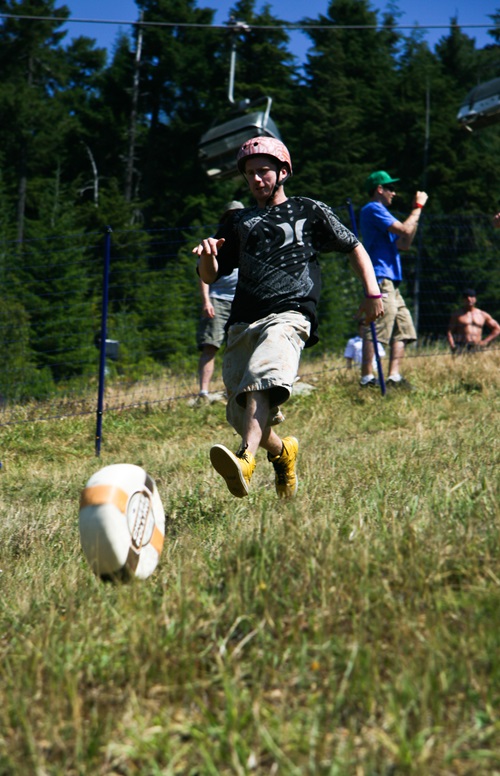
[372, 383]
[402, 384]
[202, 400]
[286, 479]
[236, 468]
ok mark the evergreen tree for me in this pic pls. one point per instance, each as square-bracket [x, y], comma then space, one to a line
[32, 65]
[20, 377]
[464, 167]
[47, 97]
[348, 99]
[495, 31]
[179, 67]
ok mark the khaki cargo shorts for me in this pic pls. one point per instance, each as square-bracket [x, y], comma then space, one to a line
[260, 356]
[211, 330]
[396, 325]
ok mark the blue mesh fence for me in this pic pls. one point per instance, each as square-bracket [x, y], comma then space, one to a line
[51, 318]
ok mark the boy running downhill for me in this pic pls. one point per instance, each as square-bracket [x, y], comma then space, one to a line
[275, 246]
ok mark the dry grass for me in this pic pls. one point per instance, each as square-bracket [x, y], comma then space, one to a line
[352, 631]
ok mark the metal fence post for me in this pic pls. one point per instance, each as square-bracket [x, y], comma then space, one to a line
[104, 333]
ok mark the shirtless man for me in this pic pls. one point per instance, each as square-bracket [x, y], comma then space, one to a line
[465, 330]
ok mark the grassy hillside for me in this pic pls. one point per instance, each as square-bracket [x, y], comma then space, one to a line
[352, 631]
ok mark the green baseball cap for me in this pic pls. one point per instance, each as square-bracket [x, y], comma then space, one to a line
[379, 178]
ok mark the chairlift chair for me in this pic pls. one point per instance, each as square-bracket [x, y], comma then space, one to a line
[218, 147]
[481, 106]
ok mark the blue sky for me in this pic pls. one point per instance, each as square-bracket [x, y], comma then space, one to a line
[435, 14]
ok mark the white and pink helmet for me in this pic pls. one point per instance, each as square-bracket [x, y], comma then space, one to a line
[266, 146]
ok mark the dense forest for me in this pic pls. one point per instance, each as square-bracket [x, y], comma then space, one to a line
[89, 139]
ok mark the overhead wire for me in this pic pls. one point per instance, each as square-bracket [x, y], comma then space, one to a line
[284, 26]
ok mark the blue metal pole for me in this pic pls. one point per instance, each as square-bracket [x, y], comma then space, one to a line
[104, 334]
[372, 325]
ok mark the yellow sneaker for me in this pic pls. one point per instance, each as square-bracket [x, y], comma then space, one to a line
[237, 469]
[286, 479]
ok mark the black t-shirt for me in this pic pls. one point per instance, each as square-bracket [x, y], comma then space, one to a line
[276, 251]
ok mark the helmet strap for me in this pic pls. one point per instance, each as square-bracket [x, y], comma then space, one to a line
[277, 186]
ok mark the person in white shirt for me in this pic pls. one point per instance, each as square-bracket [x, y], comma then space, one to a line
[353, 352]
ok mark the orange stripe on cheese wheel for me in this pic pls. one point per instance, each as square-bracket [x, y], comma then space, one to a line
[104, 494]
[157, 540]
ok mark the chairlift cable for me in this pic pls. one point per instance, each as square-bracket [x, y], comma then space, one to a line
[286, 26]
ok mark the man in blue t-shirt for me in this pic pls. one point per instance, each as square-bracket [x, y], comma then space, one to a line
[383, 237]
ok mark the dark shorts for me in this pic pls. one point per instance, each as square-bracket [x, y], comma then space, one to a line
[211, 330]
[466, 347]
